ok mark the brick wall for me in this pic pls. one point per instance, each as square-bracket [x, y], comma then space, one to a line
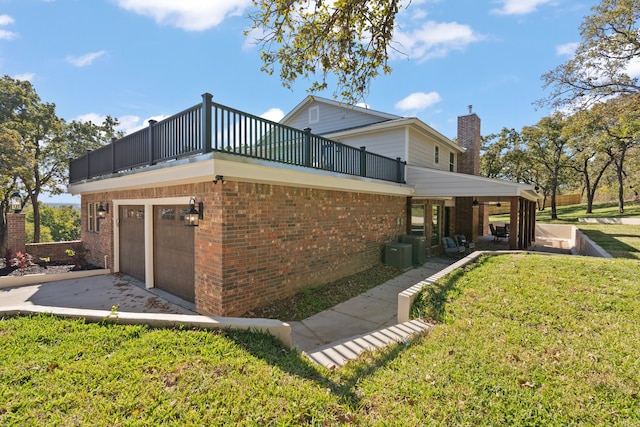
[259, 242]
[99, 244]
[55, 251]
[16, 233]
[274, 240]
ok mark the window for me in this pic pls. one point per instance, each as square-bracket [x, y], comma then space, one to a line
[452, 162]
[435, 224]
[436, 158]
[417, 220]
[93, 224]
[314, 114]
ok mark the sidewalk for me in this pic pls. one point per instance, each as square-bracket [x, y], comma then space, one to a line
[330, 338]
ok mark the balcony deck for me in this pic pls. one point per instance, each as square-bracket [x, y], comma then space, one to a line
[211, 127]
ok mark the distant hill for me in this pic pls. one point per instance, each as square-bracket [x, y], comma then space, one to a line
[57, 205]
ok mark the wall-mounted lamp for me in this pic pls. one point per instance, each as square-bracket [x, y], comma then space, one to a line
[15, 202]
[193, 216]
[475, 202]
[219, 178]
[102, 211]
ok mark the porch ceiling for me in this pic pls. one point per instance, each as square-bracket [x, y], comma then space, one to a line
[436, 183]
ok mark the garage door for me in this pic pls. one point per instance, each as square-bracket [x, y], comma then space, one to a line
[173, 262]
[132, 241]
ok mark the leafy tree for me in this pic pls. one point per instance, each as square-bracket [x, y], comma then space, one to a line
[548, 148]
[610, 42]
[621, 121]
[44, 142]
[58, 224]
[348, 38]
[589, 148]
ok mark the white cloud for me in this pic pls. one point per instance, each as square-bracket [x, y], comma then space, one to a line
[86, 59]
[567, 49]
[418, 101]
[6, 20]
[434, 39]
[5, 34]
[518, 7]
[127, 123]
[273, 114]
[130, 123]
[633, 68]
[191, 15]
[27, 77]
[91, 117]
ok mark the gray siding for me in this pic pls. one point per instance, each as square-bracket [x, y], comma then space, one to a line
[390, 143]
[422, 152]
[331, 118]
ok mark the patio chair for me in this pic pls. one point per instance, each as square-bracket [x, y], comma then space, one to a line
[463, 242]
[498, 232]
[451, 247]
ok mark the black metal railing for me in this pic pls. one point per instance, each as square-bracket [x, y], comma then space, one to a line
[211, 127]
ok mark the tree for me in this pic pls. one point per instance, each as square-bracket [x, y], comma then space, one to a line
[548, 148]
[44, 142]
[58, 224]
[348, 38]
[610, 42]
[589, 148]
[621, 122]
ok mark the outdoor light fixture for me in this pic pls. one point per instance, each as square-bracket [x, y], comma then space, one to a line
[475, 202]
[102, 212]
[193, 216]
[219, 178]
[15, 202]
[498, 204]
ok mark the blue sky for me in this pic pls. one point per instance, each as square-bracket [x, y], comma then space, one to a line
[142, 59]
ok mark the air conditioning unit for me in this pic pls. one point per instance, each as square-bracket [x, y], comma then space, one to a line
[398, 255]
[419, 247]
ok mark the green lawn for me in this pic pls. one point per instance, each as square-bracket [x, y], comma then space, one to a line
[521, 340]
[621, 241]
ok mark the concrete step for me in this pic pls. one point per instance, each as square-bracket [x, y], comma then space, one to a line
[338, 353]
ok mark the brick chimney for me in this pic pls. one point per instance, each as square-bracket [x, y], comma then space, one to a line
[471, 220]
[469, 138]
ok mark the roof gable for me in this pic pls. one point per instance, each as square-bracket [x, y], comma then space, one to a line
[324, 115]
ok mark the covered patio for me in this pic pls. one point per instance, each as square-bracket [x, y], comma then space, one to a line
[471, 196]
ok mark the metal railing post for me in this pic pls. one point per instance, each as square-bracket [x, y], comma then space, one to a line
[150, 141]
[363, 161]
[306, 155]
[206, 122]
[399, 170]
[113, 155]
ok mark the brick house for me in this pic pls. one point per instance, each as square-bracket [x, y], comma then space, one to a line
[282, 205]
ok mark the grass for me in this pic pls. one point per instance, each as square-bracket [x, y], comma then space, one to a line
[521, 340]
[571, 213]
[621, 241]
[310, 301]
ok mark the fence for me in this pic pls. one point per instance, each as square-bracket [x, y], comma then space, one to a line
[211, 127]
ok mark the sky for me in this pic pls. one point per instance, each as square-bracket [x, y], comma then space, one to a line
[141, 59]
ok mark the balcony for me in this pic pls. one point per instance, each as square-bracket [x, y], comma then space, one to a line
[210, 127]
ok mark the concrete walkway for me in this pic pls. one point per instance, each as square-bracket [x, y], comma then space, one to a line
[365, 322]
[330, 338]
